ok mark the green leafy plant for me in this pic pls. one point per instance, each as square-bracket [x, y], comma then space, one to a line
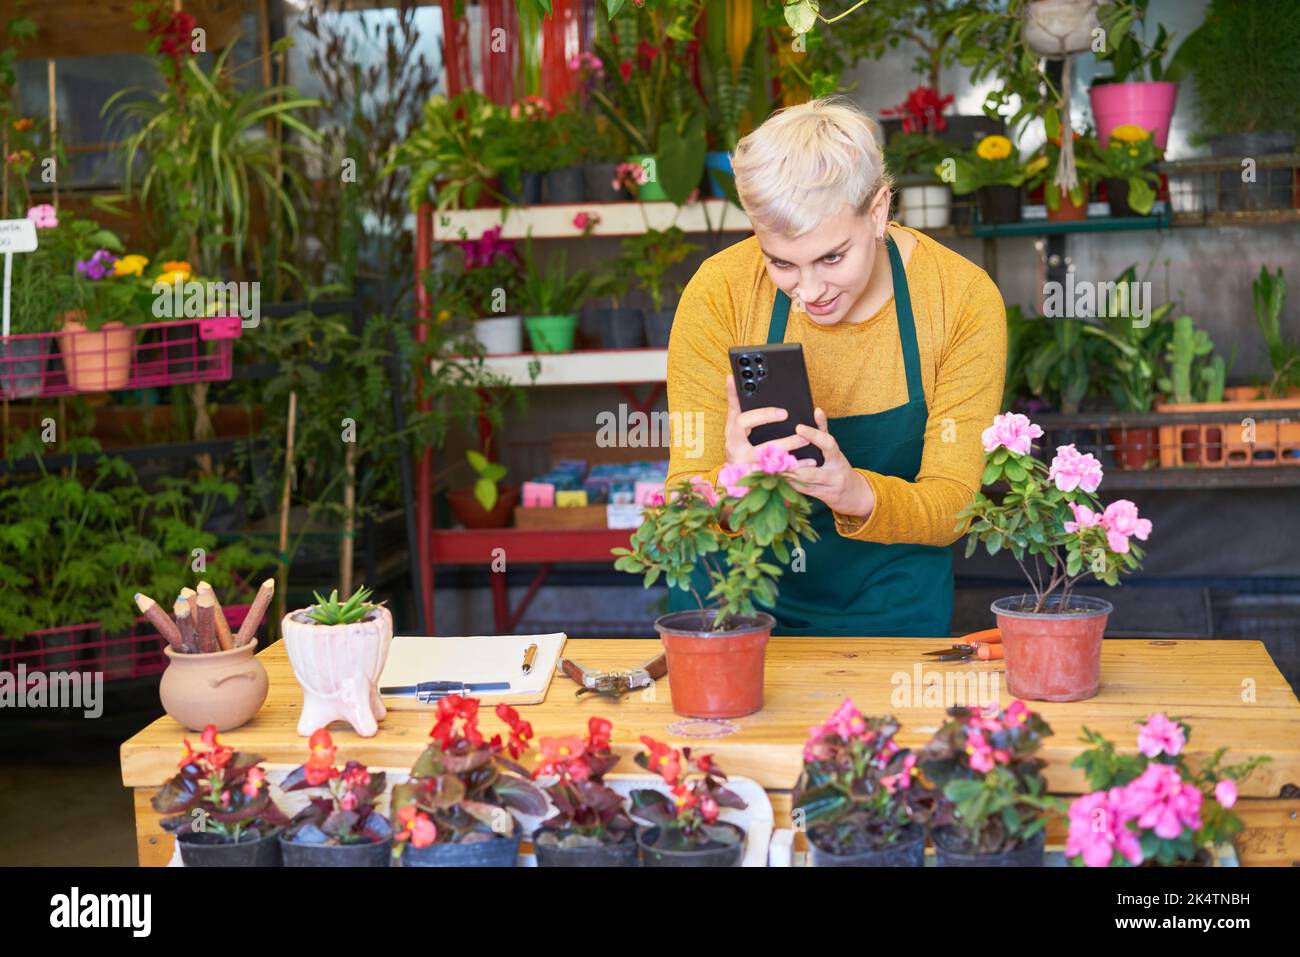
[1132, 364]
[331, 611]
[463, 144]
[487, 475]
[551, 290]
[1087, 170]
[1130, 59]
[993, 162]
[1129, 156]
[727, 92]
[1269, 295]
[648, 256]
[1195, 373]
[1059, 369]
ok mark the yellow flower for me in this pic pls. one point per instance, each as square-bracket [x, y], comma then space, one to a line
[443, 315]
[993, 148]
[1036, 165]
[1128, 133]
[175, 270]
[132, 265]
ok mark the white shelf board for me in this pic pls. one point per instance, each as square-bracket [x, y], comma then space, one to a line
[616, 219]
[586, 367]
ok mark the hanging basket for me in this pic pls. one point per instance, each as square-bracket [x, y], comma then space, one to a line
[1057, 29]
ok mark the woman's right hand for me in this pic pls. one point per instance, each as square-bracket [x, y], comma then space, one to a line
[740, 424]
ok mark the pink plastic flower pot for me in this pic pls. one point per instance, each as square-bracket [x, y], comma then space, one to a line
[1148, 105]
[1054, 655]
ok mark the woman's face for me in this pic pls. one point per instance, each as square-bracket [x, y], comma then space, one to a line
[826, 270]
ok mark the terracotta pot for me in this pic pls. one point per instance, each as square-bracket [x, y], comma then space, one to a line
[96, 361]
[338, 667]
[470, 513]
[714, 674]
[225, 688]
[1068, 211]
[1052, 656]
[1135, 448]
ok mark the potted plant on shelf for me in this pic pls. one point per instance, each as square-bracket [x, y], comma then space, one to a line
[534, 140]
[601, 144]
[649, 256]
[590, 827]
[486, 503]
[565, 180]
[716, 654]
[916, 149]
[487, 287]
[341, 827]
[994, 173]
[1065, 204]
[685, 829]
[1141, 88]
[338, 650]
[1194, 375]
[462, 150]
[853, 794]
[1151, 808]
[1050, 515]
[621, 326]
[24, 350]
[727, 92]
[454, 810]
[223, 815]
[551, 296]
[1125, 167]
[986, 797]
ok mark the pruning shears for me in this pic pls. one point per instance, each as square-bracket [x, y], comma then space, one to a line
[982, 645]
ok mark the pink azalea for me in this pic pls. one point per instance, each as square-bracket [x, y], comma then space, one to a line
[730, 476]
[1012, 431]
[1084, 518]
[1163, 802]
[1098, 828]
[1161, 736]
[705, 489]
[1121, 522]
[654, 499]
[1225, 792]
[1070, 470]
[774, 460]
[44, 216]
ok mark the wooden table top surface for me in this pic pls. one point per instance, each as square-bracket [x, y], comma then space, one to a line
[1230, 692]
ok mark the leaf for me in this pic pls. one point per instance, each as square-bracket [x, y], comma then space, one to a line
[485, 492]
[801, 15]
[680, 158]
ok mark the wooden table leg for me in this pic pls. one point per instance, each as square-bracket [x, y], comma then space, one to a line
[153, 844]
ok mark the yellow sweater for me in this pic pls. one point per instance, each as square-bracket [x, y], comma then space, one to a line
[855, 369]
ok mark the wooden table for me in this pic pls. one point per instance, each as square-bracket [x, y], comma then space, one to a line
[1229, 691]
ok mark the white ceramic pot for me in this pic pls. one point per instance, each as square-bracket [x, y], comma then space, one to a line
[1059, 28]
[924, 207]
[338, 667]
[501, 335]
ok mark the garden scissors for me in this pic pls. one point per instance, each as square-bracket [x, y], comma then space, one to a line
[984, 645]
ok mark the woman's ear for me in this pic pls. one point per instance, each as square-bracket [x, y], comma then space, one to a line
[879, 212]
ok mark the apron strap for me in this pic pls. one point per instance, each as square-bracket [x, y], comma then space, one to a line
[906, 323]
[776, 324]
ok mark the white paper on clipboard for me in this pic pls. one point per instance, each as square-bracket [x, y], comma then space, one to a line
[477, 658]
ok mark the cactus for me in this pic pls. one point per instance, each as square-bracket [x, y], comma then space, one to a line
[1192, 377]
[1213, 376]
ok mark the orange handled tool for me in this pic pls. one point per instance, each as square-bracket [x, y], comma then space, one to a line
[985, 645]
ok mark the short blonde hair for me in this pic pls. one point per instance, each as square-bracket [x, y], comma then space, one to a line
[805, 162]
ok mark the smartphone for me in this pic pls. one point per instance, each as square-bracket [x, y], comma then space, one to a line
[775, 375]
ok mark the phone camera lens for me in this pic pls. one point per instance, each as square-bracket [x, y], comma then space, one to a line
[749, 388]
[762, 373]
[758, 360]
[744, 360]
[747, 373]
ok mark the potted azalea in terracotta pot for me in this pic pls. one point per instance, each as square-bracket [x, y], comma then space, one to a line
[853, 795]
[454, 810]
[341, 826]
[1053, 524]
[221, 811]
[986, 794]
[1150, 808]
[685, 827]
[738, 535]
[590, 827]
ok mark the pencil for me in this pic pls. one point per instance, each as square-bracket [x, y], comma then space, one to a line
[189, 595]
[204, 621]
[225, 640]
[248, 630]
[185, 624]
[158, 618]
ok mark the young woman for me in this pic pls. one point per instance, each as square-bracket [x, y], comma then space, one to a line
[905, 344]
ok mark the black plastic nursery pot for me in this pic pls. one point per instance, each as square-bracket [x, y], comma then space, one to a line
[999, 205]
[907, 851]
[622, 328]
[530, 189]
[498, 852]
[598, 182]
[211, 850]
[948, 853]
[718, 855]
[564, 185]
[658, 327]
[622, 854]
[369, 854]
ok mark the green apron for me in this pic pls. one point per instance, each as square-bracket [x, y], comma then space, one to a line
[860, 589]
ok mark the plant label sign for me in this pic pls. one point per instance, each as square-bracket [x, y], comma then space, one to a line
[16, 236]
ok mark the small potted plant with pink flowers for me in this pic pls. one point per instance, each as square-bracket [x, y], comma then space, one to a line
[1057, 530]
[733, 532]
[222, 812]
[685, 827]
[853, 795]
[986, 796]
[1151, 808]
[590, 827]
[454, 809]
[341, 827]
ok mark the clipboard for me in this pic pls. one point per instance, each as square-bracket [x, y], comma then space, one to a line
[477, 658]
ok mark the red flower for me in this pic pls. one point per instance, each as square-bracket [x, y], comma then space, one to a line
[922, 110]
[598, 734]
[705, 763]
[625, 70]
[255, 780]
[663, 760]
[416, 826]
[220, 754]
[320, 766]
[646, 54]
[520, 731]
[453, 708]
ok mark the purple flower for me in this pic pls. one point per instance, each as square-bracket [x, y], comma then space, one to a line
[484, 250]
[98, 266]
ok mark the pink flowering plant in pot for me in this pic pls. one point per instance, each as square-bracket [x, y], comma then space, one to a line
[985, 795]
[1151, 808]
[853, 796]
[725, 544]
[1056, 528]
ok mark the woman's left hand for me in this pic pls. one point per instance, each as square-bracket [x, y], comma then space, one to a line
[835, 482]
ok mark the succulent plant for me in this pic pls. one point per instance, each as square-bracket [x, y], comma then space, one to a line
[330, 611]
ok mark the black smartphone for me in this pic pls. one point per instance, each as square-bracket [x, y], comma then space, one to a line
[775, 375]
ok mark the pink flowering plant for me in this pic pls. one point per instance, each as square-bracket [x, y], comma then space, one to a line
[1152, 807]
[984, 779]
[1050, 517]
[733, 530]
[854, 790]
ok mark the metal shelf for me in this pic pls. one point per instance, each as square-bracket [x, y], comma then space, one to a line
[1093, 224]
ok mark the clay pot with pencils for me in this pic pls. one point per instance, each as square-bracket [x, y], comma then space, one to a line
[212, 676]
